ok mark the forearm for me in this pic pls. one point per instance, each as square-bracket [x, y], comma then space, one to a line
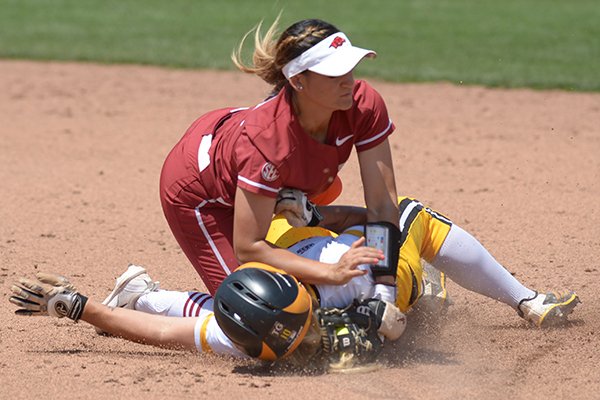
[377, 174]
[384, 212]
[156, 330]
[252, 217]
[304, 269]
[338, 218]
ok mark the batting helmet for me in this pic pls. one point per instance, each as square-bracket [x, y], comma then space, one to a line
[263, 310]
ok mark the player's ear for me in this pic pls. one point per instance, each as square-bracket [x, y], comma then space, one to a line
[296, 82]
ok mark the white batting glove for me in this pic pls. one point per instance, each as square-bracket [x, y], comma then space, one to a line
[393, 322]
[296, 208]
[56, 297]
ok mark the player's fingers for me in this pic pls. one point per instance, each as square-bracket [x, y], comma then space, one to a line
[376, 252]
[372, 252]
[358, 242]
[366, 250]
[15, 300]
[32, 286]
[24, 303]
[27, 312]
[374, 255]
[53, 279]
[353, 274]
[353, 263]
[23, 312]
[24, 293]
[366, 260]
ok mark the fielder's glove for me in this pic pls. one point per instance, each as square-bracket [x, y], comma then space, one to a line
[50, 295]
[348, 337]
[355, 335]
[296, 208]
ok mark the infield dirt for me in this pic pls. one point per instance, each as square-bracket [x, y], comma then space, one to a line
[81, 148]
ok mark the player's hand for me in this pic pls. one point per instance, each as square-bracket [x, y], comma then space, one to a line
[348, 337]
[50, 295]
[378, 315]
[296, 208]
[347, 267]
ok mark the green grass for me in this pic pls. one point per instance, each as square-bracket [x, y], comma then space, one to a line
[512, 43]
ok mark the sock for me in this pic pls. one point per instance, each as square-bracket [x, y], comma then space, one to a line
[468, 263]
[174, 304]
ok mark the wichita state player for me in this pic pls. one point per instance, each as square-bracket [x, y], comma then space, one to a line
[425, 234]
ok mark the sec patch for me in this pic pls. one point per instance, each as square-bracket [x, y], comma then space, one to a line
[269, 172]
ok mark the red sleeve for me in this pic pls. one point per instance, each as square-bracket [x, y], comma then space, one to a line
[374, 124]
[256, 174]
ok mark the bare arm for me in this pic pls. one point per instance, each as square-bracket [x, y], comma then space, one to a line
[378, 179]
[136, 326]
[252, 217]
[377, 174]
[338, 218]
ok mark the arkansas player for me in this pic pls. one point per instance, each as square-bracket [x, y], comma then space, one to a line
[219, 184]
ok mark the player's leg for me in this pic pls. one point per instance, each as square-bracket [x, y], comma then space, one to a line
[419, 240]
[201, 332]
[204, 234]
[208, 336]
[464, 259]
[174, 304]
[136, 290]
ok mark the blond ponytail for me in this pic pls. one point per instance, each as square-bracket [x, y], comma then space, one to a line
[264, 56]
[271, 55]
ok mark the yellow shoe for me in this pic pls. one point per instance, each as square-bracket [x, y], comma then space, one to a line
[548, 309]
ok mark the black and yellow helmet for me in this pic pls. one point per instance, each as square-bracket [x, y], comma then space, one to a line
[263, 310]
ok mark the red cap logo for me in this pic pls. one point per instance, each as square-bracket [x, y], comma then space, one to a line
[337, 42]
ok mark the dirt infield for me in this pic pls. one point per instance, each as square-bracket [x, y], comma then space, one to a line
[81, 147]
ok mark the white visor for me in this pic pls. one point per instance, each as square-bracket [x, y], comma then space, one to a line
[332, 56]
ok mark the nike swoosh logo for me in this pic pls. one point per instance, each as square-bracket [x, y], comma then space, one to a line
[339, 142]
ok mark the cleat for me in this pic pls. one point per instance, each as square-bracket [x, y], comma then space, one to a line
[434, 283]
[434, 297]
[548, 309]
[130, 286]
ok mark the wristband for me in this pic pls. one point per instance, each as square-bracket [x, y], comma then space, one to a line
[70, 305]
[385, 293]
[78, 306]
[384, 236]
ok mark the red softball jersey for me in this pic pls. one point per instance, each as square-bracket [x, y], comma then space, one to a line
[263, 148]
